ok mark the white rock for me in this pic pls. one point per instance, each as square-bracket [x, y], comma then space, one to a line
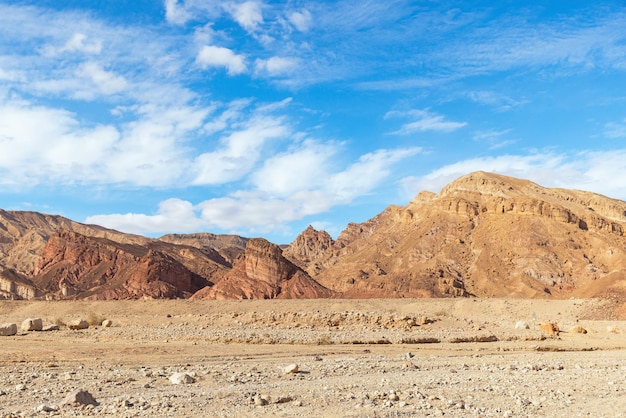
[181, 378]
[32, 324]
[78, 324]
[8, 329]
[522, 325]
[107, 323]
[46, 408]
[292, 368]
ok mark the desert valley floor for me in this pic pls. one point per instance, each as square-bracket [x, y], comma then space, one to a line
[323, 358]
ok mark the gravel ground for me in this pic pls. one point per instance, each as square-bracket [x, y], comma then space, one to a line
[453, 358]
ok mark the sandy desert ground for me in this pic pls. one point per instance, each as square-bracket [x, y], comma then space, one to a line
[354, 358]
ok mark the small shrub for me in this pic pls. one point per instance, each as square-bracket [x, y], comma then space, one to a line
[94, 319]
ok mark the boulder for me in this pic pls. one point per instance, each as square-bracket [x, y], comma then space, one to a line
[79, 398]
[8, 329]
[292, 368]
[107, 323]
[182, 379]
[32, 324]
[78, 324]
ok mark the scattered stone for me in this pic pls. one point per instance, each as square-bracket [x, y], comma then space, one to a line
[46, 408]
[32, 324]
[578, 330]
[78, 324]
[79, 398]
[284, 399]
[7, 330]
[260, 401]
[292, 368]
[51, 327]
[20, 387]
[522, 325]
[550, 328]
[107, 323]
[611, 329]
[182, 379]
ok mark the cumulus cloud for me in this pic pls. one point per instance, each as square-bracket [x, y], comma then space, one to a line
[248, 14]
[311, 187]
[423, 120]
[305, 168]
[172, 215]
[301, 20]
[238, 152]
[275, 66]
[175, 12]
[106, 82]
[216, 56]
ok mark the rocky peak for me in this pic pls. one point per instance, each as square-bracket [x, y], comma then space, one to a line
[310, 245]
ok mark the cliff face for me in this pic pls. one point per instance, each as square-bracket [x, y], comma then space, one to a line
[485, 235]
[263, 273]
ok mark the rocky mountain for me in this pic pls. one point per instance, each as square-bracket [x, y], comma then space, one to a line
[484, 235]
[264, 273]
[46, 256]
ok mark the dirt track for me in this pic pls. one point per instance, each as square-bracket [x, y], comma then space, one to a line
[353, 359]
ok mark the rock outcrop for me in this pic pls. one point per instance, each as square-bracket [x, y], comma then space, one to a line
[486, 235]
[263, 273]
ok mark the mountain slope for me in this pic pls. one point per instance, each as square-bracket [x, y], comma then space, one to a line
[485, 235]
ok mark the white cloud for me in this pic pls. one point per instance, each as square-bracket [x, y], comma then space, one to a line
[176, 13]
[172, 215]
[423, 120]
[494, 138]
[276, 66]
[248, 14]
[305, 168]
[216, 56]
[238, 152]
[615, 130]
[367, 173]
[106, 82]
[276, 200]
[301, 20]
[77, 43]
[44, 145]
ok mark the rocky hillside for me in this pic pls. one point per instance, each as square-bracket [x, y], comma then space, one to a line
[51, 257]
[45, 256]
[263, 273]
[484, 235]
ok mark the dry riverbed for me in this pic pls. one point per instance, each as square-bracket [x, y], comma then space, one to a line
[344, 358]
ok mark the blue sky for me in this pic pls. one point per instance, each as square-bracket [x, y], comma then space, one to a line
[261, 117]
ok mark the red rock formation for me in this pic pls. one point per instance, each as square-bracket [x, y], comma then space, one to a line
[73, 265]
[263, 273]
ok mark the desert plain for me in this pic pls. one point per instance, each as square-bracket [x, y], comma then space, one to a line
[324, 358]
